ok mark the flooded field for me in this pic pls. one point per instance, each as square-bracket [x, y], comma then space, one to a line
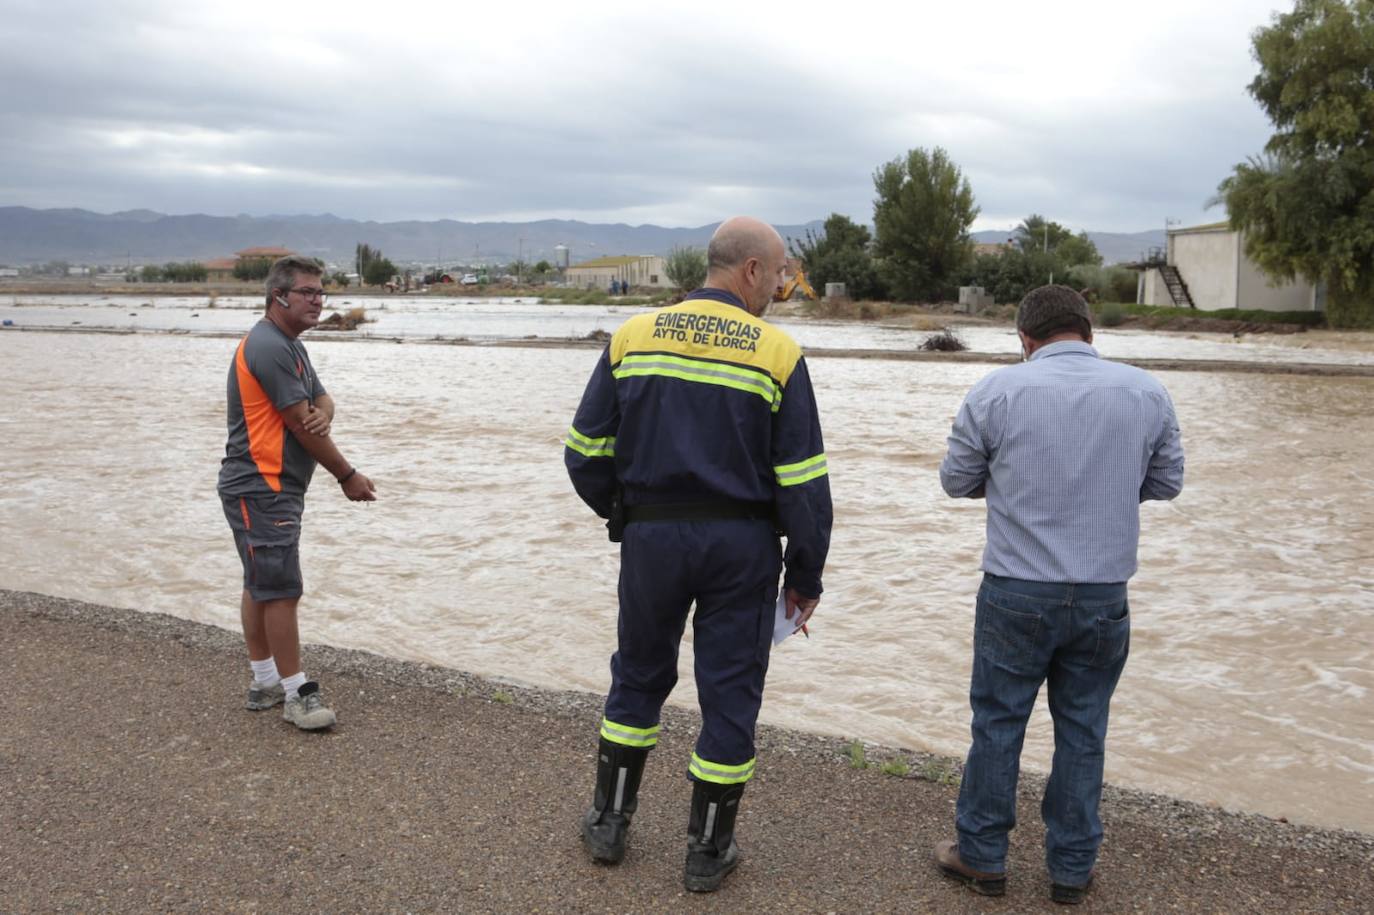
[1252, 662]
[481, 320]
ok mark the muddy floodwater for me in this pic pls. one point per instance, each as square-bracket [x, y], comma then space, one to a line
[495, 319]
[1252, 659]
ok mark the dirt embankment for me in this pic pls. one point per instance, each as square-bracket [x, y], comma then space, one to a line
[1208, 325]
[136, 782]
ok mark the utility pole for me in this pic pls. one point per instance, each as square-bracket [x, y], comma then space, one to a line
[520, 261]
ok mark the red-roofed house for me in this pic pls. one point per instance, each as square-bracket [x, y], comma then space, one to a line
[220, 269]
[271, 252]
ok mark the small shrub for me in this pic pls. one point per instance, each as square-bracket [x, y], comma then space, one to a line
[1111, 315]
[502, 697]
[857, 759]
[896, 768]
[946, 341]
[941, 773]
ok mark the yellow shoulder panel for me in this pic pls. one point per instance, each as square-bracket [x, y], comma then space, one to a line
[707, 329]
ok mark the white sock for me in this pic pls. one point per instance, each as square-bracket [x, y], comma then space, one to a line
[292, 684]
[265, 672]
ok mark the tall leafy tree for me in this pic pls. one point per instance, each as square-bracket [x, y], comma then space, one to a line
[921, 217]
[363, 256]
[840, 253]
[1307, 205]
[379, 270]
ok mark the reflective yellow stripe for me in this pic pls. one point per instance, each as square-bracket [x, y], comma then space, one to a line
[591, 447]
[719, 773]
[698, 370]
[627, 736]
[800, 472]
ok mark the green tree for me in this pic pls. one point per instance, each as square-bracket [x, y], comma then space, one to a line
[1036, 233]
[685, 267]
[379, 270]
[840, 253]
[340, 279]
[363, 255]
[252, 268]
[1307, 206]
[921, 218]
[151, 273]
[189, 272]
[1011, 274]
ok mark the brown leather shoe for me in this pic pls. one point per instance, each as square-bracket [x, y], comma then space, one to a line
[986, 884]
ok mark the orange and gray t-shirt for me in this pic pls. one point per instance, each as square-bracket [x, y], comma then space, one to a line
[270, 372]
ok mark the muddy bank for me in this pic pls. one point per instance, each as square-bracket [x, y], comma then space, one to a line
[1208, 325]
[136, 782]
[597, 340]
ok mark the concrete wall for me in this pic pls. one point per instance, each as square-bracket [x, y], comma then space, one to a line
[1212, 262]
[1151, 290]
[1257, 292]
[1207, 261]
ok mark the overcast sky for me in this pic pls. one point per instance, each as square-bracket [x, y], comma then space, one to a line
[1102, 115]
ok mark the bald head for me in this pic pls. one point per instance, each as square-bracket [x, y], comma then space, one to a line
[746, 256]
[737, 239]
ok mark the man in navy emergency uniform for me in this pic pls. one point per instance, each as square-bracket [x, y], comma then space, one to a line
[698, 438]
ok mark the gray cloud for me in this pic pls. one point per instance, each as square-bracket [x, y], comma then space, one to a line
[617, 114]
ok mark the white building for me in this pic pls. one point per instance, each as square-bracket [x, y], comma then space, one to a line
[1206, 266]
[635, 269]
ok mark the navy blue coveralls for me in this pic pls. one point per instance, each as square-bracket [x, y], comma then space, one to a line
[702, 403]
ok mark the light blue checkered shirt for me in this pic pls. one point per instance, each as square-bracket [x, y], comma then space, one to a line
[1065, 447]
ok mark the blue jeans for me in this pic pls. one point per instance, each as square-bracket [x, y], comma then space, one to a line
[1076, 637]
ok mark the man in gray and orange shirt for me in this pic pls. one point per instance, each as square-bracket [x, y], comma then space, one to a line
[279, 423]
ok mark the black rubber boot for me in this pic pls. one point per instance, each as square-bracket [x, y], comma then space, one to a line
[606, 826]
[711, 849]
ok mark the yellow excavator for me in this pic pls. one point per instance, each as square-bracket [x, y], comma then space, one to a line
[798, 283]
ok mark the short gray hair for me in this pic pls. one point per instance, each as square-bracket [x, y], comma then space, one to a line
[282, 275]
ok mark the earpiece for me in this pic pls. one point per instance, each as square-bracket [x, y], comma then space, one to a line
[282, 302]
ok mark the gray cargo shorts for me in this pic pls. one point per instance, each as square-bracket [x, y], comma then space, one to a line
[267, 532]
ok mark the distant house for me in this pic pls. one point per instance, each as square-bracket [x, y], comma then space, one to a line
[1205, 267]
[997, 247]
[271, 252]
[220, 269]
[635, 269]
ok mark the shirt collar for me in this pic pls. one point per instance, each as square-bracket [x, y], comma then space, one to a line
[1063, 347]
[716, 295]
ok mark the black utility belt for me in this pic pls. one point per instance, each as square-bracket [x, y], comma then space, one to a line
[725, 510]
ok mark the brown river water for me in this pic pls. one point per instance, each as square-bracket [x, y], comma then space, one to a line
[1252, 661]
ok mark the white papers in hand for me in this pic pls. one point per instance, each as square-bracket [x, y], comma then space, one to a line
[782, 626]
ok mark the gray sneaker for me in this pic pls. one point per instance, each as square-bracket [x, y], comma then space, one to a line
[264, 697]
[307, 710]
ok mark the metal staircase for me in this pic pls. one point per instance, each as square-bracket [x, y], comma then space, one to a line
[1178, 290]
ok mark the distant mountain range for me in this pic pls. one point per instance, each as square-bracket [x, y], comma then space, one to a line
[29, 236]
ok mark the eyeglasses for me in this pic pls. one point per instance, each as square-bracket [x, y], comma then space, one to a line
[311, 293]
